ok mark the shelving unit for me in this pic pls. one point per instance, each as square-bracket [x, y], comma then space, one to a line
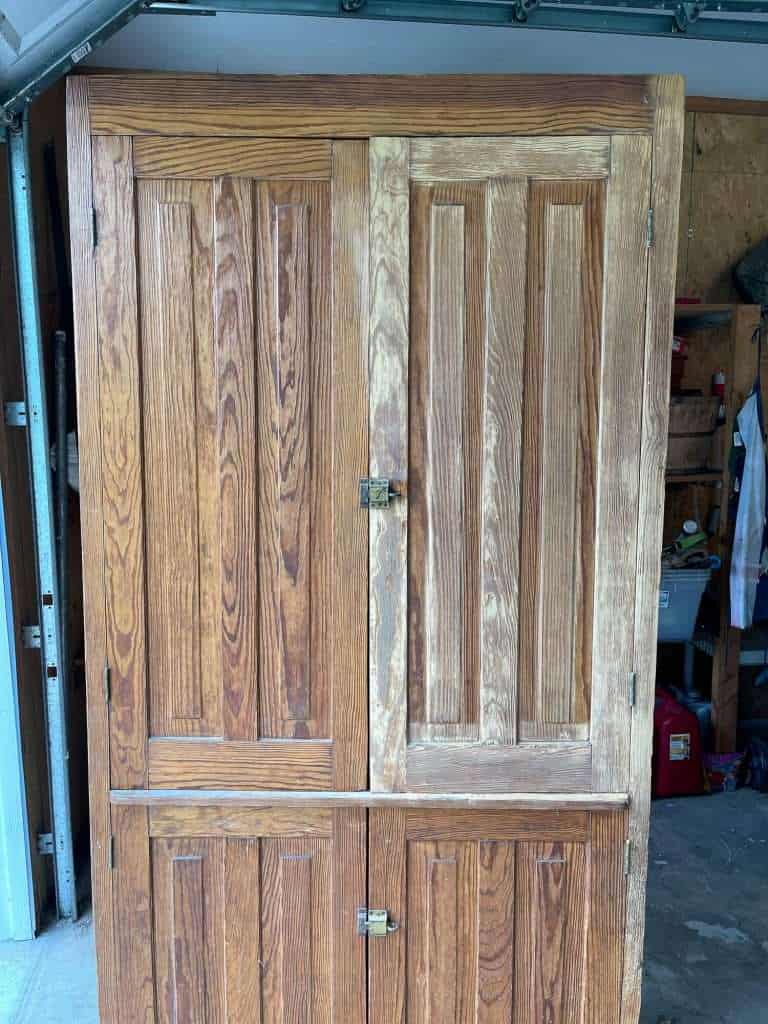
[727, 346]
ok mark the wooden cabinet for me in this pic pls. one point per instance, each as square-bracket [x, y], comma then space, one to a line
[437, 706]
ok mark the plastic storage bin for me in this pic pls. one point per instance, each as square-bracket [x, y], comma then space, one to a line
[680, 595]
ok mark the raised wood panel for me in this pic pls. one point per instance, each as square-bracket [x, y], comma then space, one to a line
[220, 764]
[243, 923]
[448, 280]
[497, 926]
[295, 475]
[171, 157]
[327, 106]
[234, 319]
[559, 452]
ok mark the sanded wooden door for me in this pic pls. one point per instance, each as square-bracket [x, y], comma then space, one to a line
[504, 917]
[508, 319]
[231, 285]
[230, 915]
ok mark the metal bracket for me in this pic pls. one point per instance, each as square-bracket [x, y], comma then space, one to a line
[352, 6]
[523, 8]
[376, 924]
[686, 14]
[376, 492]
[15, 414]
[30, 636]
[632, 689]
[45, 844]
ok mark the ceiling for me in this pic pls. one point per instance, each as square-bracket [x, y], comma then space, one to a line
[253, 43]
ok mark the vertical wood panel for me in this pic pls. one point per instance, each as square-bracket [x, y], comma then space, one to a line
[502, 426]
[389, 263]
[242, 901]
[444, 608]
[557, 534]
[442, 932]
[135, 997]
[122, 498]
[496, 932]
[296, 926]
[349, 578]
[447, 355]
[550, 926]
[188, 939]
[626, 263]
[559, 461]
[170, 458]
[234, 320]
[295, 457]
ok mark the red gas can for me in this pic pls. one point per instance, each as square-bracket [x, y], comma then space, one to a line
[677, 769]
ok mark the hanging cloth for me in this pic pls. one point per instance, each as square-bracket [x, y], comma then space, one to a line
[750, 518]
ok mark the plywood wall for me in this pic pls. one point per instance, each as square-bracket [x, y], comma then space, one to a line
[724, 197]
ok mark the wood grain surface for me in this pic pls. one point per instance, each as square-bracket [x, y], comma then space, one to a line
[665, 199]
[180, 157]
[452, 159]
[122, 498]
[388, 537]
[326, 106]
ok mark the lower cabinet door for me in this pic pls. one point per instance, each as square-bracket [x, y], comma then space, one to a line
[238, 915]
[504, 917]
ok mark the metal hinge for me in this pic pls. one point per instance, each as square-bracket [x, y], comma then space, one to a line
[627, 856]
[632, 689]
[107, 683]
[650, 228]
[376, 492]
[94, 227]
[15, 414]
[111, 853]
[30, 636]
[375, 923]
[45, 844]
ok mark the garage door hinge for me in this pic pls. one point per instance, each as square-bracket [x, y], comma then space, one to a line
[107, 683]
[649, 236]
[632, 689]
[627, 856]
[15, 414]
[94, 227]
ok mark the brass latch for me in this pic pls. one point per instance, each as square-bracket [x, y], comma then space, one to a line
[375, 923]
[376, 492]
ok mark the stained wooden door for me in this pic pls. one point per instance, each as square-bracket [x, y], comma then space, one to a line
[508, 322]
[504, 916]
[231, 285]
[228, 915]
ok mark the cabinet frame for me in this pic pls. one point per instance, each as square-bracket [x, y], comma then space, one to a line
[361, 107]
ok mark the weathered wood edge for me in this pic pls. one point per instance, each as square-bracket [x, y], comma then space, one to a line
[366, 798]
[367, 105]
[665, 200]
[89, 442]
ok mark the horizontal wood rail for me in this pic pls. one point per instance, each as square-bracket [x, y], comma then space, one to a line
[482, 801]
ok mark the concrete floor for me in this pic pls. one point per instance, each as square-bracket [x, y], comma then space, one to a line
[706, 945]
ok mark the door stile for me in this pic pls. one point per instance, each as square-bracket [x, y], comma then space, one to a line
[618, 459]
[388, 539]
